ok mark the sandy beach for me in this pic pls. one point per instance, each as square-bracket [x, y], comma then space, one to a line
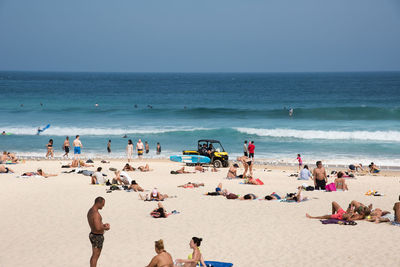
[44, 220]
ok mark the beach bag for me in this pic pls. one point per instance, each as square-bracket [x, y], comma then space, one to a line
[330, 187]
[310, 188]
[232, 196]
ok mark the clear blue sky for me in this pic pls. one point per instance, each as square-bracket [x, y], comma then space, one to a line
[200, 36]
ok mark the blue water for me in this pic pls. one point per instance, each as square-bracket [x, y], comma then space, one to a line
[336, 115]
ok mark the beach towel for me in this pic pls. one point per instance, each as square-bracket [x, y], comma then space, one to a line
[218, 264]
[336, 221]
[330, 187]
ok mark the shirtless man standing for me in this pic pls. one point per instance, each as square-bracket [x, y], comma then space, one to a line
[319, 175]
[66, 146]
[139, 148]
[97, 229]
[77, 147]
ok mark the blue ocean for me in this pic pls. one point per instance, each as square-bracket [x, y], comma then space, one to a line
[345, 117]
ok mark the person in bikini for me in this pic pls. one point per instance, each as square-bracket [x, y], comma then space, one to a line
[340, 182]
[191, 185]
[97, 229]
[163, 258]
[247, 164]
[319, 176]
[50, 150]
[128, 168]
[181, 171]
[232, 172]
[4, 169]
[339, 214]
[135, 187]
[145, 168]
[194, 259]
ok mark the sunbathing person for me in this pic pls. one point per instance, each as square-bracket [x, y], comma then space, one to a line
[248, 197]
[252, 181]
[361, 209]
[377, 214]
[340, 182]
[39, 172]
[163, 258]
[9, 157]
[297, 197]
[181, 171]
[79, 163]
[154, 196]
[339, 214]
[273, 196]
[191, 185]
[144, 168]
[135, 187]
[373, 168]
[194, 259]
[392, 218]
[218, 191]
[4, 169]
[232, 172]
[159, 212]
[128, 168]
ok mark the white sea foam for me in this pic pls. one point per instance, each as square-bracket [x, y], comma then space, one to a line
[392, 136]
[71, 131]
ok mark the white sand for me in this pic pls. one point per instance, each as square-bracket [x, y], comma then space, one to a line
[44, 221]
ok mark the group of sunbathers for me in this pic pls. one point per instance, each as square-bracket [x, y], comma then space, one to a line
[359, 211]
[129, 168]
[8, 157]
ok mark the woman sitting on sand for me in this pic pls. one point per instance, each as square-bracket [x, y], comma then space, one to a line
[128, 168]
[163, 258]
[340, 182]
[5, 169]
[144, 168]
[135, 187]
[191, 185]
[195, 258]
[232, 172]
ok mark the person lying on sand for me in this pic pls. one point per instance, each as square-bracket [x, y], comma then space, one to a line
[359, 208]
[159, 212]
[297, 197]
[4, 169]
[128, 168]
[339, 214]
[392, 218]
[144, 168]
[163, 258]
[9, 157]
[199, 168]
[248, 197]
[252, 181]
[194, 259]
[273, 196]
[218, 191]
[135, 187]
[154, 196]
[191, 185]
[232, 172]
[181, 171]
[340, 182]
[39, 172]
[79, 163]
[377, 214]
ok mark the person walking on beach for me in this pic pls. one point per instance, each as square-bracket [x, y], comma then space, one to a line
[97, 229]
[146, 146]
[319, 175]
[66, 147]
[300, 161]
[139, 148]
[251, 148]
[245, 149]
[77, 147]
[50, 151]
[129, 150]
[158, 150]
[109, 146]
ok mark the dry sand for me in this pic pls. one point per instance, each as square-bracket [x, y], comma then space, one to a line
[44, 220]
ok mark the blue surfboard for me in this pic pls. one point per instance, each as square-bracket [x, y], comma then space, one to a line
[44, 129]
[190, 159]
[218, 264]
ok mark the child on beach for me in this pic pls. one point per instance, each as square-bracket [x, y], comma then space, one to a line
[300, 161]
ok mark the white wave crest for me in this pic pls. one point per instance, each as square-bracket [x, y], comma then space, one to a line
[71, 131]
[392, 136]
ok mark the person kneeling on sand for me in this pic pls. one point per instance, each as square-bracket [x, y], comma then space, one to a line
[232, 172]
[163, 258]
[340, 182]
[5, 169]
[191, 185]
[373, 168]
[195, 258]
[135, 187]
[339, 214]
[128, 168]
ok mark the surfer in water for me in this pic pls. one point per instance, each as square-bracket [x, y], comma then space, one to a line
[39, 131]
[290, 112]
